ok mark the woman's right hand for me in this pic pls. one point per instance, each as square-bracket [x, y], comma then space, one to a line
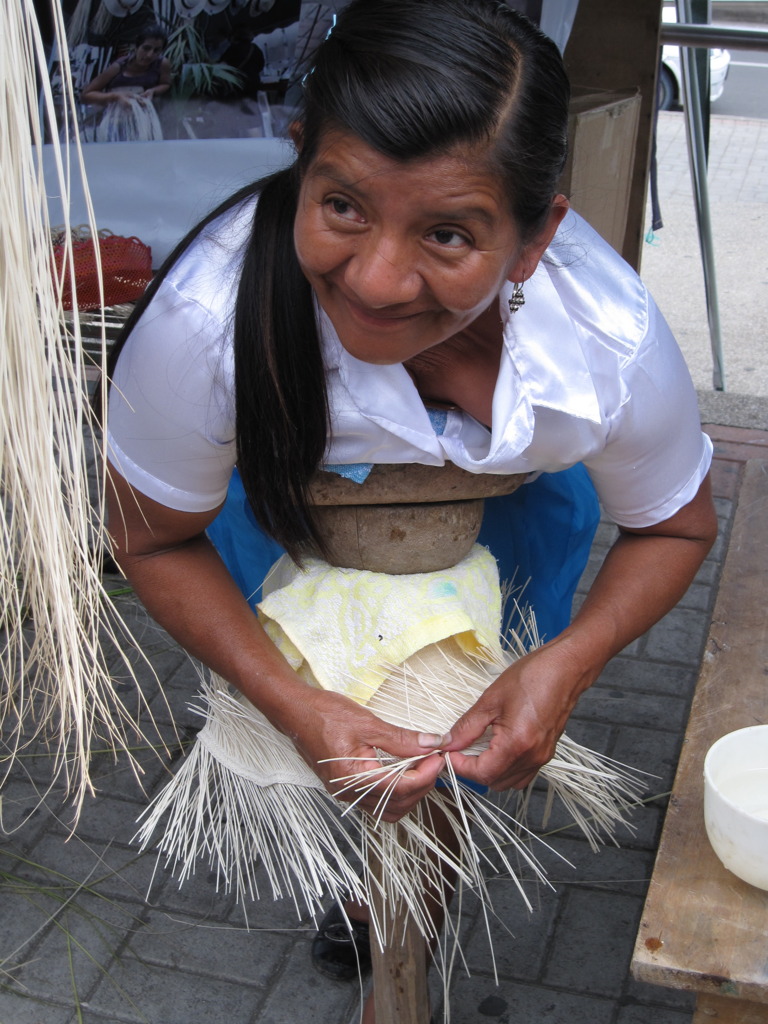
[338, 737]
[186, 587]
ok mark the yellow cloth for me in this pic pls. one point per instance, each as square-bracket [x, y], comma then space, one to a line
[344, 629]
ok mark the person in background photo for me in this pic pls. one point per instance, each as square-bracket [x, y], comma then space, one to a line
[128, 88]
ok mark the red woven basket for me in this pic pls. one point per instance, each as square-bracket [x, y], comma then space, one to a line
[126, 266]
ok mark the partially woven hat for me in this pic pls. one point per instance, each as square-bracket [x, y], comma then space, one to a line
[245, 800]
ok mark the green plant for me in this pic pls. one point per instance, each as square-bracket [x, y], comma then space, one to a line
[193, 73]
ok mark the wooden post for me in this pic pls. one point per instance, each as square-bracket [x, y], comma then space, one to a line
[424, 538]
[399, 970]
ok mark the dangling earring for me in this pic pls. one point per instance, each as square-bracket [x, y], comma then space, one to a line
[518, 299]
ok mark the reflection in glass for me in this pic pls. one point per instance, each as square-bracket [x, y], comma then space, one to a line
[217, 68]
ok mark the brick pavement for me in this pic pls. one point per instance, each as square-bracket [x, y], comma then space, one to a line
[91, 932]
[671, 267]
[738, 159]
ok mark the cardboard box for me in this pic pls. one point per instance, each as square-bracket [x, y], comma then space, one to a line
[597, 178]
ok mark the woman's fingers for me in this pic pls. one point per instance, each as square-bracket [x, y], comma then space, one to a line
[343, 749]
[389, 794]
[473, 723]
[524, 711]
[494, 771]
[387, 790]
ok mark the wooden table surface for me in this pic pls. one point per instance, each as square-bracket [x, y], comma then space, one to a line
[703, 929]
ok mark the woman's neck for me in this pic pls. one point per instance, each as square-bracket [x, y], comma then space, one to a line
[462, 371]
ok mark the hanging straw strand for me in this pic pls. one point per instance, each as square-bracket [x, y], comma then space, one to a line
[58, 622]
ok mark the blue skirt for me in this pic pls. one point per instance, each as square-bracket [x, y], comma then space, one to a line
[540, 535]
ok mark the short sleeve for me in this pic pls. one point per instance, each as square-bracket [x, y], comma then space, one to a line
[656, 454]
[171, 430]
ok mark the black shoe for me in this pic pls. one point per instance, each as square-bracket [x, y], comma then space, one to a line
[338, 952]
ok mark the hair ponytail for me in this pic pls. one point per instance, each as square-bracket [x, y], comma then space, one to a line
[281, 408]
[281, 404]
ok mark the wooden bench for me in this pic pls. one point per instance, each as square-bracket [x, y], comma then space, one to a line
[703, 929]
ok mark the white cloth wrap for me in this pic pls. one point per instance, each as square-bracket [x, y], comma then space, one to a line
[344, 629]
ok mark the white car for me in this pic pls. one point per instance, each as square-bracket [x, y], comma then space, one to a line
[670, 89]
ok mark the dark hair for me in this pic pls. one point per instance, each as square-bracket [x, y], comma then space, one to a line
[417, 77]
[410, 78]
[152, 31]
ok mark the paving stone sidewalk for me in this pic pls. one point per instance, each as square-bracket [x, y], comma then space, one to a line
[671, 265]
[92, 932]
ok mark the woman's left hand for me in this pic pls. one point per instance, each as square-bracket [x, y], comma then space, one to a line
[526, 710]
[644, 575]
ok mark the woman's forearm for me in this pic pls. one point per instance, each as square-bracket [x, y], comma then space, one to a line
[185, 586]
[99, 98]
[644, 575]
[190, 593]
[183, 583]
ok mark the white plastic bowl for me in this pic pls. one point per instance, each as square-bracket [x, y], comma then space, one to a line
[736, 802]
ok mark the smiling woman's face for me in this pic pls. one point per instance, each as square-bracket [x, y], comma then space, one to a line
[402, 255]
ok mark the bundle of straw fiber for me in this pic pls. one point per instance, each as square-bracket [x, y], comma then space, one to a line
[134, 120]
[56, 618]
[245, 800]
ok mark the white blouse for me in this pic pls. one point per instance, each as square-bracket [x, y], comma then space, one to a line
[589, 373]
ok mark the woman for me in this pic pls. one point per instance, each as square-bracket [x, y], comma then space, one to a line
[312, 318]
[128, 88]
